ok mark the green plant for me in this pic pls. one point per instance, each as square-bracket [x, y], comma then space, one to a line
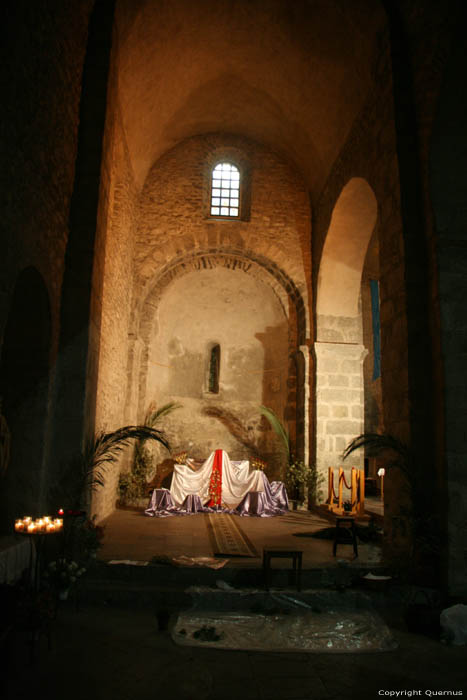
[376, 444]
[132, 484]
[280, 430]
[315, 480]
[296, 478]
[423, 529]
[300, 478]
[87, 471]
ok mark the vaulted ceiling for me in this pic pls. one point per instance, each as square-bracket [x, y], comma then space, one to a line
[292, 75]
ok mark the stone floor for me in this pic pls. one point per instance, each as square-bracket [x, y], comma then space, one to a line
[110, 647]
[129, 534]
[112, 653]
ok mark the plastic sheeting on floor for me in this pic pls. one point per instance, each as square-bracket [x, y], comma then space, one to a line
[323, 623]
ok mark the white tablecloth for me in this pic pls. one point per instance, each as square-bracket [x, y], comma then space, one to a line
[237, 480]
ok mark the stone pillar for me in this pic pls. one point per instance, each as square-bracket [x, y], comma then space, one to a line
[135, 350]
[339, 404]
[305, 398]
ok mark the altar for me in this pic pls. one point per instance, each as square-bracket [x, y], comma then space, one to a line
[219, 484]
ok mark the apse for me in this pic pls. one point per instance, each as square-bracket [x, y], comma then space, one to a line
[219, 348]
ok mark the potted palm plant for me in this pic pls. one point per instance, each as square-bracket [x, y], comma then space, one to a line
[133, 484]
[87, 473]
[422, 535]
[301, 479]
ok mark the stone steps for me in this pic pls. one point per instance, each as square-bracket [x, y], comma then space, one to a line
[129, 585]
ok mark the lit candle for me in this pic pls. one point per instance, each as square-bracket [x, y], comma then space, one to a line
[50, 527]
[58, 522]
[19, 525]
[27, 519]
[61, 511]
[31, 527]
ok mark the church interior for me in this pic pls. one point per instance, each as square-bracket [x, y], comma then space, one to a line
[222, 206]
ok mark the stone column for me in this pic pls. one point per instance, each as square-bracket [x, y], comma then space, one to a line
[339, 404]
[132, 415]
[305, 398]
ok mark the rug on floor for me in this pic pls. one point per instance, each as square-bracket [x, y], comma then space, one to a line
[227, 537]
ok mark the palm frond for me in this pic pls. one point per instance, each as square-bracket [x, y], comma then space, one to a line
[114, 441]
[424, 527]
[278, 427]
[377, 444]
[234, 425]
[87, 471]
[155, 414]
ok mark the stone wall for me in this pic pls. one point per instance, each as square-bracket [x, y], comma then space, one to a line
[176, 233]
[42, 55]
[245, 318]
[339, 399]
[169, 240]
[370, 153]
[174, 219]
[112, 286]
[43, 47]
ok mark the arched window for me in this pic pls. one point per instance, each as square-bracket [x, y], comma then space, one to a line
[214, 369]
[225, 191]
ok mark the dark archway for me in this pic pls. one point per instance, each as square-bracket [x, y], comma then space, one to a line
[24, 387]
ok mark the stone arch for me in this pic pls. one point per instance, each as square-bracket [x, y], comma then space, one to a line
[352, 224]
[264, 272]
[339, 351]
[24, 388]
[246, 261]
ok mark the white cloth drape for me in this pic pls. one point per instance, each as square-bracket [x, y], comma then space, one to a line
[237, 480]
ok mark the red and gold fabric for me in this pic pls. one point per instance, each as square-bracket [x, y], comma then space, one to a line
[215, 483]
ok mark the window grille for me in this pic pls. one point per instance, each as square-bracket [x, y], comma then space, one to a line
[225, 191]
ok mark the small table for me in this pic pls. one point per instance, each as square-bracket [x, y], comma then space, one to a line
[345, 523]
[294, 554]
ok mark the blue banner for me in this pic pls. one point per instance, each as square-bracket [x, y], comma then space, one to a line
[374, 287]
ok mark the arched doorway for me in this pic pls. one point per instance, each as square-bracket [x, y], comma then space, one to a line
[24, 387]
[339, 349]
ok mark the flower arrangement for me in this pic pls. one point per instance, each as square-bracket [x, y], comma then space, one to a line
[62, 573]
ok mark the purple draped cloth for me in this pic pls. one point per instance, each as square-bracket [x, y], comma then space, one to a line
[161, 504]
[265, 504]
